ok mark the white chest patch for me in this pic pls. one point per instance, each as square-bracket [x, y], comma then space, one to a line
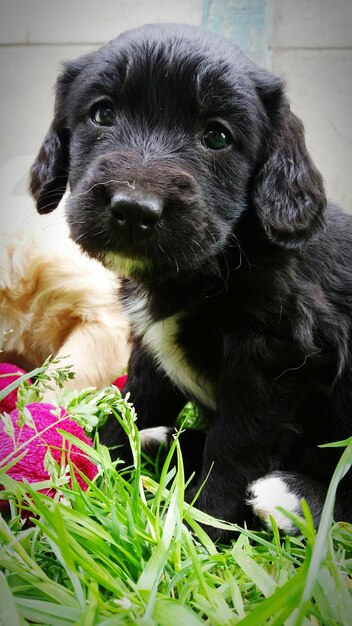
[138, 311]
[160, 339]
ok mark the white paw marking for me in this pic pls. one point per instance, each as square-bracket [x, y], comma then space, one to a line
[153, 437]
[269, 492]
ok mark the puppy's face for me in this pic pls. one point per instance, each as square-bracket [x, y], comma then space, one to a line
[159, 134]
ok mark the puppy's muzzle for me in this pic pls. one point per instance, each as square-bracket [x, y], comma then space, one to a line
[134, 217]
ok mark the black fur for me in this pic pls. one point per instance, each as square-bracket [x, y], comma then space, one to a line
[247, 253]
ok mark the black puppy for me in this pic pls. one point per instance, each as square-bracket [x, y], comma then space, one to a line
[189, 174]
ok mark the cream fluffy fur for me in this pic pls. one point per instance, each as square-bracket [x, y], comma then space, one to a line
[56, 301]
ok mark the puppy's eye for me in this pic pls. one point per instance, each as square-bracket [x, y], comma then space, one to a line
[103, 114]
[216, 136]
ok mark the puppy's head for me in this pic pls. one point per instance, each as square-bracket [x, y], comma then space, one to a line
[166, 135]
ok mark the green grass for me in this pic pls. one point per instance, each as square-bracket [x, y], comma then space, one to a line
[130, 551]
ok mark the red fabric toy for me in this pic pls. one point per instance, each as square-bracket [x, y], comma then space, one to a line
[31, 466]
[120, 381]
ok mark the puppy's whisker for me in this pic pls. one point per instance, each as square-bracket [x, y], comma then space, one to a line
[209, 232]
[48, 205]
[176, 264]
[164, 253]
[294, 369]
[196, 243]
[76, 239]
[105, 182]
[238, 246]
[57, 190]
[54, 193]
[96, 233]
[242, 254]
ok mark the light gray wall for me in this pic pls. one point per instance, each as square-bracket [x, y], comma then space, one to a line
[311, 47]
[309, 41]
[35, 37]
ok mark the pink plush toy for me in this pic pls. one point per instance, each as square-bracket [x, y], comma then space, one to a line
[8, 374]
[31, 466]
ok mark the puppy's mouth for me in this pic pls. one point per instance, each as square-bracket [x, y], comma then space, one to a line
[116, 239]
[161, 249]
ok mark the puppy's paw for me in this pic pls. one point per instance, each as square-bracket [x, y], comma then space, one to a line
[152, 438]
[269, 492]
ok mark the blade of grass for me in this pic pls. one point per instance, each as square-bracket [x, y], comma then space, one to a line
[170, 612]
[321, 543]
[153, 569]
[254, 571]
[21, 379]
[8, 609]
[47, 612]
[281, 603]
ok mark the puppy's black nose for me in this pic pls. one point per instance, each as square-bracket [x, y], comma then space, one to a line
[135, 217]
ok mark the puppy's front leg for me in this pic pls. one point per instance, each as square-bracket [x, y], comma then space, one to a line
[156, 400]
[228, 467]
[243, 443]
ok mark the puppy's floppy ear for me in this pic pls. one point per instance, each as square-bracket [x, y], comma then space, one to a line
[288, 192]
[49, 172]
